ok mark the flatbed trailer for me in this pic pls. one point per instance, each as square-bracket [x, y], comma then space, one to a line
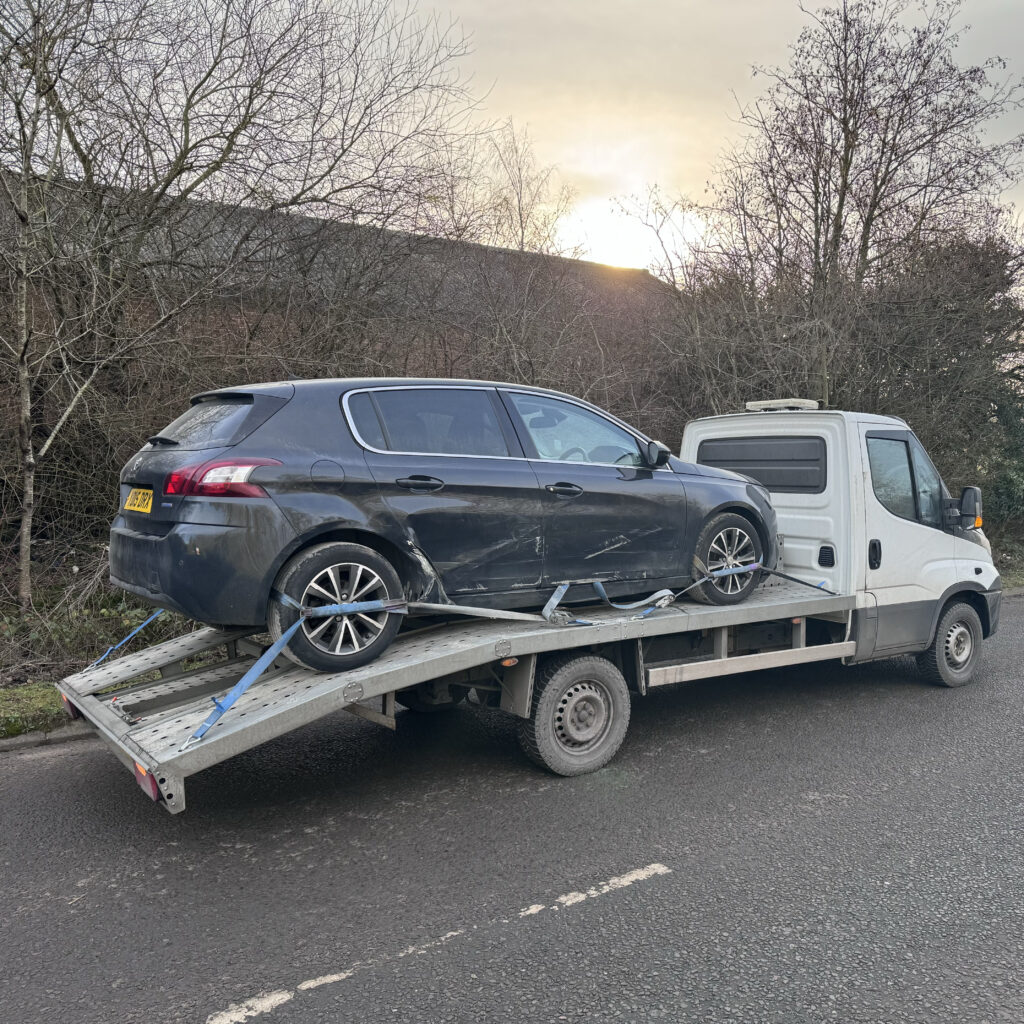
[147, 705]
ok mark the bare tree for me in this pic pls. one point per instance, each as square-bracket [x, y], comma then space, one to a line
[150, 154]
[872, 142]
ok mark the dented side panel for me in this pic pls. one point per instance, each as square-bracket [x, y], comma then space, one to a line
[482, 525]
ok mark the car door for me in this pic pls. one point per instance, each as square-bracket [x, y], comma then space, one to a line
[911, 556]
[451, 472]
[607, 515]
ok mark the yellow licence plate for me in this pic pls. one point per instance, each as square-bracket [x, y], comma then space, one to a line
[140, 499]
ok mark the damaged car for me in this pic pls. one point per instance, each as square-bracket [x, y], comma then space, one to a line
[258, 501]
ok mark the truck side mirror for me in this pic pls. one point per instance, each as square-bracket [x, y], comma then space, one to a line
[656, 454]
[970, 508]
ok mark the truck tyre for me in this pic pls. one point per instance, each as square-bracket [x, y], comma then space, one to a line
[333, 574]
[955, 649]
[579, 715]
[727, 540]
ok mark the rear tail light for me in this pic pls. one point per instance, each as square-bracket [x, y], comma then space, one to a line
[147, 782]
[70, 708]
[221, 478]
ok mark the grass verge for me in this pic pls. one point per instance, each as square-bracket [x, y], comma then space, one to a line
[30, 707]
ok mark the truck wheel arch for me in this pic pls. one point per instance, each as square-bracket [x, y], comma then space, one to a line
[970, 593]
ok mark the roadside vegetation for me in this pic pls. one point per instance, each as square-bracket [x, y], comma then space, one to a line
[197, 195]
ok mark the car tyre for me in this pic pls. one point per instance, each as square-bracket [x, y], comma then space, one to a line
[335, 573]
[579, 715]
[953, 654]
[726, 540]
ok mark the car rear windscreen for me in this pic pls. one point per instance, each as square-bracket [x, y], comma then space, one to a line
[788, 465]
[221, 420]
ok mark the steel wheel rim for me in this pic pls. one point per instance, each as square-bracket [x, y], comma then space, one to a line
[959, 645]
[730, 548]
[583, 716]
[344, 583]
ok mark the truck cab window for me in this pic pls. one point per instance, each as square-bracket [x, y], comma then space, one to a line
[891, 478]
[930, 491]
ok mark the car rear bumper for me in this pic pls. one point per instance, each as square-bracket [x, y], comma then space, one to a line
[216, 574]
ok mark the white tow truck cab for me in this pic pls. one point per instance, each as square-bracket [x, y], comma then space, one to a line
[879, 559]
[862, 510]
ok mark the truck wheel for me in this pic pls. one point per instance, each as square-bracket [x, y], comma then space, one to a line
[333, 574]
[954, 652]
[727, 540]
[579, 715]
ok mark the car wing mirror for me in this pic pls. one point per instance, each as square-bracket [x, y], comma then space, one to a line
[656, 454]
[970, 508]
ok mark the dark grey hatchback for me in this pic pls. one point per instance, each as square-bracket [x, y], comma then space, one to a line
[343, 491]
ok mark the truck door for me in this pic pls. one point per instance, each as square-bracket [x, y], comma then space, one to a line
[910, 555]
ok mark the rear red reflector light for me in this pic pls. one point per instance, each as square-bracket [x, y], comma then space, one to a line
[147, 782]
[221, 478]
[70, 708]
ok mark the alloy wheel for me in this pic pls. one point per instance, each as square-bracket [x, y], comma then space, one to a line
[731, 548]
[345, 583]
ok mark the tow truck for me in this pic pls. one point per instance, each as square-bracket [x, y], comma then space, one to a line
[878, 560]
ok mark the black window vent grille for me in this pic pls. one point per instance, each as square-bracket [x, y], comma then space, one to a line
[826, 556]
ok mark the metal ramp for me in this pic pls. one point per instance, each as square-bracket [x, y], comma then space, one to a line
[146, 705]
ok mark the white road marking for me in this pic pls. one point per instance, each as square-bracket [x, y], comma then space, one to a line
[535, 908]
[237, 1013]
[327, 979]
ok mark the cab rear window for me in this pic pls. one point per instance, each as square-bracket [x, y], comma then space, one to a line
[221, 420]
[786, 465]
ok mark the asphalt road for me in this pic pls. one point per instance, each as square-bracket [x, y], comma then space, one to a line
[801, 846]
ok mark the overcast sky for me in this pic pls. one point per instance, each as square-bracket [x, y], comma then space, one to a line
[623, 93]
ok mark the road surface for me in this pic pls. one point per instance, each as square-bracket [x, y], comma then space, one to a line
[805, 845]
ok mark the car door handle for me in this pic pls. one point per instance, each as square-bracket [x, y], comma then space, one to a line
[874, 554]
[564, 490]
[420, 483]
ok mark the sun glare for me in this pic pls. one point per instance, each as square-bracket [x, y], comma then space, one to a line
[606, 235]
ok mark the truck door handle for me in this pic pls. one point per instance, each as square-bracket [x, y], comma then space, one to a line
[564, 490]
[874, 554]
[420, 483]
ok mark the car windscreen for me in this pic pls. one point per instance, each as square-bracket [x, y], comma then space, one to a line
[219, 420]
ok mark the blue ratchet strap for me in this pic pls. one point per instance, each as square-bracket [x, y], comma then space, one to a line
[660, 599]
[560, 617]
[795, 579]
[116, 647]
[267, 658]
[736, 570]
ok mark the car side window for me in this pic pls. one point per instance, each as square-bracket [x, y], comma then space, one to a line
[364, 419]
[891, 478]
[563, 432]
[930, 491]
[429, 421]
